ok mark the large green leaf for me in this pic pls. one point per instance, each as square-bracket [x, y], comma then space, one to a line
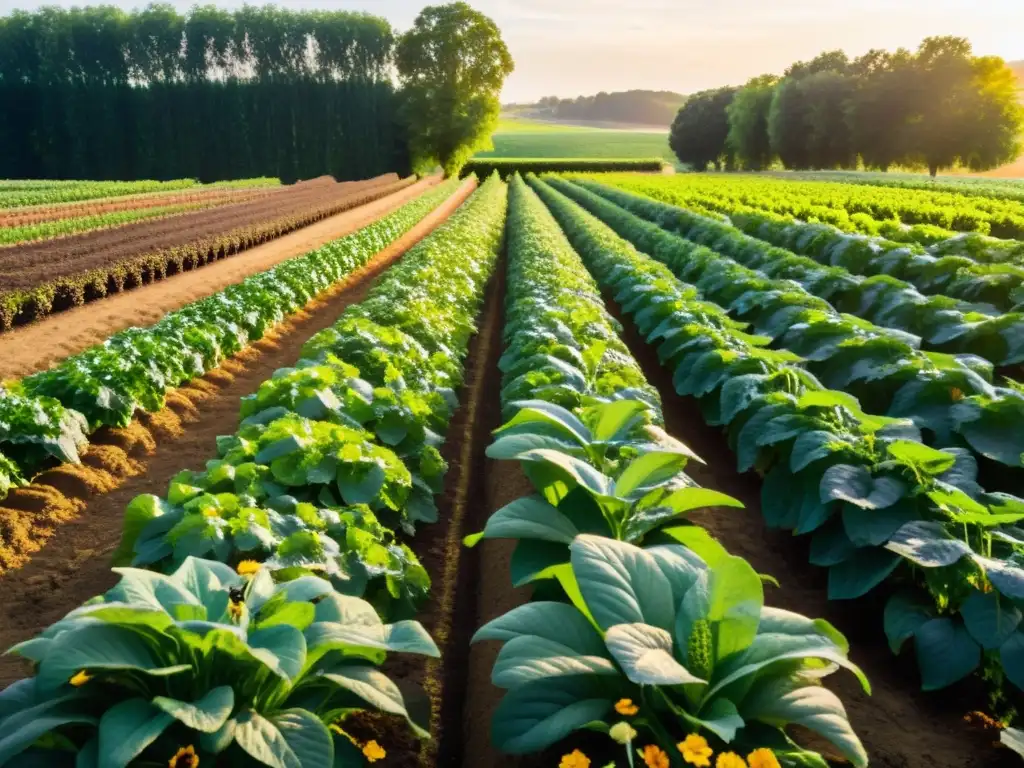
[539, 714]
[620, 583]
[904, 615]
[990, 619]
[263, 741]
[128, 728]
[814, 707]
[946, 653]
[530, 517]
[651, 469]
[927, 544]
[307, 737]
[854, 484]
[645, 654]
[20, 728]
[208, 714]
[529, 657]
[864, 570]
[553, 621]
[100, 647]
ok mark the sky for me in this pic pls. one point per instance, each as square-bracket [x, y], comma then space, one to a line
[568, 48]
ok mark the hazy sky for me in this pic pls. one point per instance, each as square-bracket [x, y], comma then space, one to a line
[573, 47]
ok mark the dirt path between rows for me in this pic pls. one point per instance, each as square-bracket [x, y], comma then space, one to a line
[450, 612]
[900, 726]
[75, 563]
[30, 348]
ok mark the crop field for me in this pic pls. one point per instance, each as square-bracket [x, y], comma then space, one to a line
[526, 138]
[546, 470]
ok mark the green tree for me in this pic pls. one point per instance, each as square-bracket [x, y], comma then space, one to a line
[452, 65]
[966, 109]
[699, 131]
[748, 123]
[878, 111]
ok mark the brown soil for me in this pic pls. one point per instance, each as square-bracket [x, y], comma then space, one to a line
[75, 563]
[449, 614]
[900, 726]
[38, 346]
[32, 264]
[20, 217]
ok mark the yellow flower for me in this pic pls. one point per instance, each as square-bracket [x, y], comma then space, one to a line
[626, 707]
[81, 678]
[730, 760]
[695, 750]
[623, 733]
[575, 759]
[763, 758]
[248, 567]
[654, 757]
[373, 751]
[956, 394]
[185, 758]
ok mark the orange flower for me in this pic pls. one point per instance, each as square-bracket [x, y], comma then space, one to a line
[626, 707]
[956, 393]
[730, 760]
[695, 750]
[654, 757]
[373, 751]
[763, 758]
[184, 758]
[575, 759]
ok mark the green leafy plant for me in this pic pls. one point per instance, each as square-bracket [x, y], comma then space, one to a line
[692, 647]
[237, 669]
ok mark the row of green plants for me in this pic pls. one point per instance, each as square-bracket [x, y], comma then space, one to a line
[944, 324]
[941, 210]
[642, 626]
[46, 230]
[950, 398]
[985, 271]
[19, 305]
[46, 417]
[998, 189]
[879, 506]
[14, 194]
[511, 165]
[266, 591]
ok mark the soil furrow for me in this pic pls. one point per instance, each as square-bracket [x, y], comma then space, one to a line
[900, 726]
[30, 264]
[450, 612]
[80, 512]
[35, 347]
[19, 217]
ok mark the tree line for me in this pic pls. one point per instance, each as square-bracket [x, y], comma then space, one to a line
[934, 108]
[100, 93]
[636, 106]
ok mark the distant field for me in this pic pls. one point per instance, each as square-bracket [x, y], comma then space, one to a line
[530, 138]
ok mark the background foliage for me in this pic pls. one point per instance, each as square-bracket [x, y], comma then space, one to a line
[99, 93]
[935, 108]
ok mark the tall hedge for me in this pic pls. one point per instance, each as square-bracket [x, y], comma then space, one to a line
[97, 93]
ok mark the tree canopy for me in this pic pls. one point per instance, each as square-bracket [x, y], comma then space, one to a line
[938, 107]
[748, 123]
[700, 129]
[452, 64]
